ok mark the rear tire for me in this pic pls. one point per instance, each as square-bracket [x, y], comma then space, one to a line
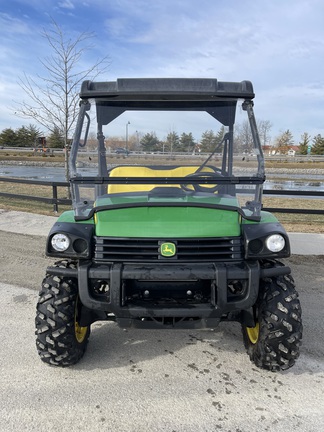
[275, 340]
[60, 340]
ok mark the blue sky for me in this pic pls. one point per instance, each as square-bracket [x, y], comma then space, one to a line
[277, 44]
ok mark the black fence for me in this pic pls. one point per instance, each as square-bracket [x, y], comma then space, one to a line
[55, 201]
[291, 193]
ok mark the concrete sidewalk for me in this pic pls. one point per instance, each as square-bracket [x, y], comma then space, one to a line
[306, 243]
[26, 223]
[35, 224]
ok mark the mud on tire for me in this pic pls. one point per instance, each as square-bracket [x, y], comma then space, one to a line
[275, 341]
[60, 340]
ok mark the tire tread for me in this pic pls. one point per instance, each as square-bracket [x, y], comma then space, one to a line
[55, 335]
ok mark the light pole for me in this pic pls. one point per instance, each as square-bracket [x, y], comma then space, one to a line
[128, 123]
[137, 140]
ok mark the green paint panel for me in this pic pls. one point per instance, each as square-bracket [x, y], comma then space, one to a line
[68, 216]
[167, 222]
[266, 217]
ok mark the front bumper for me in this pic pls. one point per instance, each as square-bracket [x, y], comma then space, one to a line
[151, 314]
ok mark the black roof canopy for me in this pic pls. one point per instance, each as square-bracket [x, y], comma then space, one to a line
[166, 89]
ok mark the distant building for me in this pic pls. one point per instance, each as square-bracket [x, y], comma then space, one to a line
[275, 151]
[293, 150]
[269, 150]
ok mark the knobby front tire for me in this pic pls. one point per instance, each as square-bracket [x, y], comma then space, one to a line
[60, 340]
[275, 340]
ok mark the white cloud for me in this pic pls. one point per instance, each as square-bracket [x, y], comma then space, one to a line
[278, 45]
[66, 4]
[12, 26]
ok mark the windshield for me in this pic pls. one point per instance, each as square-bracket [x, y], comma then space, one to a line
[188, 154]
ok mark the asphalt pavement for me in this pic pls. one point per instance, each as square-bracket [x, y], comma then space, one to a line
[152, 380]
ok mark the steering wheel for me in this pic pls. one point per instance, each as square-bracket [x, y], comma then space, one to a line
[199, 188]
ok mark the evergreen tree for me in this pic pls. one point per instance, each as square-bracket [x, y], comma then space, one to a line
[56, 138]
[207, 141]
[150, 142]
[27, 135]
[8, 138]
[304, 144]
[318, 146]
[219, 136]
[187, 142]
[172, 142]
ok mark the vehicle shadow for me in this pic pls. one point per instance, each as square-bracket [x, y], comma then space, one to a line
[111, 346]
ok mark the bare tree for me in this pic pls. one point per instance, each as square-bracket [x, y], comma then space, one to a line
[53, 98]
[283, 142]
[243, 134]
[243, 137]
[264, 127]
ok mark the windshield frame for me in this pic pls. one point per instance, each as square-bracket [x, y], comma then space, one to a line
[223, 109]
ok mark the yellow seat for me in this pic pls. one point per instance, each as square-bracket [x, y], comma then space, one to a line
[143, 171]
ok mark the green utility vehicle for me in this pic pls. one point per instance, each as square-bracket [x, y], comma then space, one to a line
[173, 237]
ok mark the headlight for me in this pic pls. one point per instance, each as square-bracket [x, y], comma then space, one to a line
[275, 243]
[60, 242]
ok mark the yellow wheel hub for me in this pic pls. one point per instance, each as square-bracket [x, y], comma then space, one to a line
[80, 332]
[253, 333]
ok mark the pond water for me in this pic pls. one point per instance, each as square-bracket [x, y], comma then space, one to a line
[311, 182]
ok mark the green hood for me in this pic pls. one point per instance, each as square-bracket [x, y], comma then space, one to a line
[167, 221]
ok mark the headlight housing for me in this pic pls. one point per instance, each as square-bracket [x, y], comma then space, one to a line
[275, 243]
[70, 240]
[266, 240]
[60, 242]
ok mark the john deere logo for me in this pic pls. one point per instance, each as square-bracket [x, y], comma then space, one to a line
[168, 249]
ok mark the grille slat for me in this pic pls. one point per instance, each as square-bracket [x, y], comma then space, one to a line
[147, 250]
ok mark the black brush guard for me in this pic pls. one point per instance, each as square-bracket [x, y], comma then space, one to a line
[200, 315]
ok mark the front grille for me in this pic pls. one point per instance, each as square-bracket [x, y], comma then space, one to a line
[148, 250]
